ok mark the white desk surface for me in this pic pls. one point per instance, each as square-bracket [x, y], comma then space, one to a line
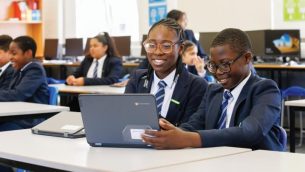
[254, 161]
[298, 103]
[25, 108]
[77, 155]
[62, 88]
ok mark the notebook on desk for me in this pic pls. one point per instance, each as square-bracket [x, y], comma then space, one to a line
[118, 120]
[64, 124]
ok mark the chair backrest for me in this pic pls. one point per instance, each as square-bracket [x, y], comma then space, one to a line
[53, 92]
[51, 80]
[293, 91]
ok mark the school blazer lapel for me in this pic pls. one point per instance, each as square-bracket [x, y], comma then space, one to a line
[242, 97]
[213, 112]
[178, 96]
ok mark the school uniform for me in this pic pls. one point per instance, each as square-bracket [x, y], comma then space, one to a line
[28, 85]
[6, 76]
[184, 97]
[109, 70]
[253, 120]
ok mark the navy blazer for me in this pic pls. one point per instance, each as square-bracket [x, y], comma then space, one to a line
[112, 70]
[189, 91]
[6, 77]
[29, 85]
[254, 121]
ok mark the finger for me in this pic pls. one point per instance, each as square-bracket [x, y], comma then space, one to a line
[153, 133]
[166, 125]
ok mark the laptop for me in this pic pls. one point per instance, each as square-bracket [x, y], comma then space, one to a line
[118, 120]
[64, 124]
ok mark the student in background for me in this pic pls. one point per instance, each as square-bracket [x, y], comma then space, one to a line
[29, 83]
[190, 57]
[6, 69]
[243, 110]
[101, 67]
[178, 92]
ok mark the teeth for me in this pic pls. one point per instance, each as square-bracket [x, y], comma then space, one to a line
[158, 62]
[223, 80]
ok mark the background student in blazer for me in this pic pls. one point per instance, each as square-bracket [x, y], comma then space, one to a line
[183, 90]
[29, 83]
[247, 116]
[6, 69]
[101, 67]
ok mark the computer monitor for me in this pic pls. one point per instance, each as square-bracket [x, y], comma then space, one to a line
[282, 43]
[123, 44]
[87, 47]
[257, 39]
[143, 52]
[50, 49]
[205, 39]
[74, 47]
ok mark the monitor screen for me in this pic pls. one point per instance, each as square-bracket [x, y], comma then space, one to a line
[87, 47]
[123, 44]
[50, 49]
[206, 39]
[74, 47]
[282, 42]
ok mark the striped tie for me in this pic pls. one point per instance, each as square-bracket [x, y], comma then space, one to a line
[95, 70]
[160, 95]
[223, 117]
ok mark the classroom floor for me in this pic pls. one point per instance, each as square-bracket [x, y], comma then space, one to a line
[298, 149]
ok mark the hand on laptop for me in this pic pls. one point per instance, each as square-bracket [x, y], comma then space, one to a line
[171, 137]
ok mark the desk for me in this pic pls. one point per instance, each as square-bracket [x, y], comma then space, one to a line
[77, 155]
[294, 106]
[24, 108]
[63, 66]
[255, 161]
[104, 89]
[284, 75]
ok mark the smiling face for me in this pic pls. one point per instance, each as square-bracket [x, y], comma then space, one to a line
[163, 63]
[239, 69]
[18, 57]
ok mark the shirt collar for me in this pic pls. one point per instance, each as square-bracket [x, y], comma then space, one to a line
[22, 69]
[100, 59]
[3, 68]
[169, 79]
[236, 91]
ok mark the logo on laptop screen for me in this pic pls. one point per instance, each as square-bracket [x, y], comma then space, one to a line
[141, 104]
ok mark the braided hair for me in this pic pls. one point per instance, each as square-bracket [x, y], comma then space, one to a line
[172, 24]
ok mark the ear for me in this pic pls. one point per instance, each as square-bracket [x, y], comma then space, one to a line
[180, 49]
[28, 54]
[248, 56]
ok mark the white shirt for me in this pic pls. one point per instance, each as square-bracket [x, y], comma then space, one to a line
[3, 68]
[169, 89]
[232, 101]
[99, 68]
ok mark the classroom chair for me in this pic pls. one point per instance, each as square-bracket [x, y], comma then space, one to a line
[53, 91]
[293, 91]
[51, 80]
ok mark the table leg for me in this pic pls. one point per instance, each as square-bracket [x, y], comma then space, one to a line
[292, 129]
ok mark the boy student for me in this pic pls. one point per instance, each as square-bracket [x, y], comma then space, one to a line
[29, 83]
[178, 92]
[241, 110]
[6, 69]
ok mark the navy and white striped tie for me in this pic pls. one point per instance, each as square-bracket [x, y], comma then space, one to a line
[160, 95]
[223, 117]
[95, 70]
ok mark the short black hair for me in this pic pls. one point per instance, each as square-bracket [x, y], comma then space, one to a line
[237, 39]
[105, 39]
[26, 43]
[5, 41]
[175, 14]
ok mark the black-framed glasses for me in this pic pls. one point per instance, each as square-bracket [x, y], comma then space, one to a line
[223, 67]
[165, 47]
